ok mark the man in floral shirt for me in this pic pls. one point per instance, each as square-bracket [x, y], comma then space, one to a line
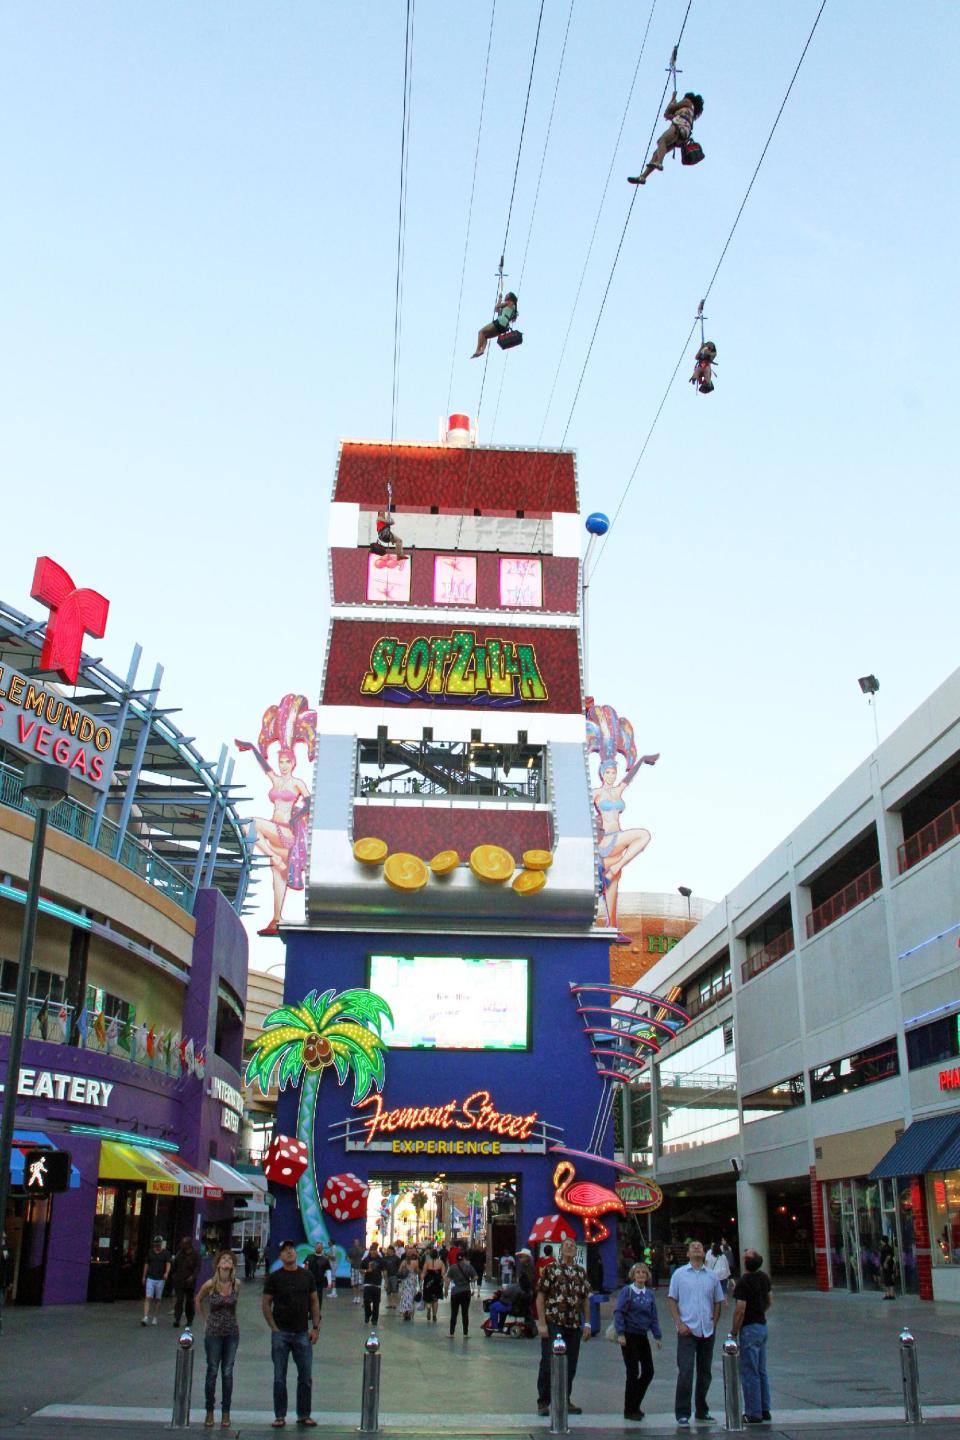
[562, 1296]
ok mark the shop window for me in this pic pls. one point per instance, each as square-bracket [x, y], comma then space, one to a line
[44, 984]
[698, 1094]
[388, 579]
[943, 1194]
[774, 1099]
[710, 986]
[521, 581]
[228, 1035]
[934, 1043]
[438, 768]
[865, 1067]
[931, 818]
[768, 941]
[641, 1149]
[454, 580]
[849, 880]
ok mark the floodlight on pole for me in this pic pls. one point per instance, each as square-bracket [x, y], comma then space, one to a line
[686, 892]
[869, 685]
[44, 785]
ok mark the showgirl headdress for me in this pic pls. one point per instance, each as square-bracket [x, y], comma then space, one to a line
[290, 723]
[609, 735]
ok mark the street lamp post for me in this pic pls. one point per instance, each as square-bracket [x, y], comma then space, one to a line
[44, 785]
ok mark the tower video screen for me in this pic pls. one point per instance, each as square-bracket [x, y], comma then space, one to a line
[454, 1002]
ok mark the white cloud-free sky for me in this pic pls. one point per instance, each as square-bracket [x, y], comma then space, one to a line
[198, 261]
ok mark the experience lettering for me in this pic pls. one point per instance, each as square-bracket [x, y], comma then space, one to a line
[456, 665]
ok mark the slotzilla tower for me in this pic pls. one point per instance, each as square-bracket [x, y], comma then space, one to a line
[452, 865]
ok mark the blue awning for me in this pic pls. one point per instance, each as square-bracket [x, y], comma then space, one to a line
[921, 1148]
[24, 1140]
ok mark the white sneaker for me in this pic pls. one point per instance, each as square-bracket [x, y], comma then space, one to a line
[144, 1321]
[154, 1320]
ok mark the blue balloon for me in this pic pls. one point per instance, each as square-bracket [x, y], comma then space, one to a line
[598, 523]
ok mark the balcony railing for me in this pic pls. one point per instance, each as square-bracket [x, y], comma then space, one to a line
[55, 1024]
[773, 951]
[846, 899]
[930, 838]
[696, 1004]
[76, 820]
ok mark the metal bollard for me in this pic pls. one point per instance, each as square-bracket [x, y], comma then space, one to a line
[183, 1382]
[910, 1371]
[732, 1406]
[559, 1414]
[370, 1398]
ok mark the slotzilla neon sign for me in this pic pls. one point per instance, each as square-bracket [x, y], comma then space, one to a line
[456, 665]
[476, 1112]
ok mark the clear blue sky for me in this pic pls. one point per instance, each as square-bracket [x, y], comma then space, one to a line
[198, 255]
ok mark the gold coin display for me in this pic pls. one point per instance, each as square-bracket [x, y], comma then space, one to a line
[405, 872]
[446, 861]
[492, 862]
[528, 882]
[370, 851]
[538, 859]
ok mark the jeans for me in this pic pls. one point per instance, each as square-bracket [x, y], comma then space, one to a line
[221, 1352]
[693, 1350]
[371, 1303]
[183, 1298]
[572, 1335]
[499, 1310]
[460, 1300]
[636, 1356]
[753, 1369]
[282, 1343]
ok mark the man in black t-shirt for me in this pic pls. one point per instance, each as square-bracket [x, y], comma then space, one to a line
[156, 1268]
[292, 1310]
[373, 1267]
[753, 1295]
[318, 1264]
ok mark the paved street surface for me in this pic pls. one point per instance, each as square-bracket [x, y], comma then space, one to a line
[834, 1366]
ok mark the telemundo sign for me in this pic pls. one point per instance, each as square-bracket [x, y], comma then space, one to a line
[36, 720]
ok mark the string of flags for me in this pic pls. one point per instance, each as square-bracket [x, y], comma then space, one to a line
[161, 1049]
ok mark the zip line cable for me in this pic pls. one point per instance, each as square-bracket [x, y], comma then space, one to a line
[536, 196]
[473, 187]
[686, 343]
[402, 213]
[613, 269]
[596, 223]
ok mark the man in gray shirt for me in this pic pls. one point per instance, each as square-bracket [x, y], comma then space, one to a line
[694, 1298]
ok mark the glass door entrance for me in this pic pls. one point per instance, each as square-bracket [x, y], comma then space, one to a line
[862, 1214]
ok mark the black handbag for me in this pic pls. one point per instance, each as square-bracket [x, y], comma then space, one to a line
[509, 339]
[691, 153]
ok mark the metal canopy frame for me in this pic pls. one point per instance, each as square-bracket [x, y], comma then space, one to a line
[163, 794]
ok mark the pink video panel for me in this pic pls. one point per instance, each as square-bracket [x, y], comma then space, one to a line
[388, 579]
[454, 580]
[521, 581]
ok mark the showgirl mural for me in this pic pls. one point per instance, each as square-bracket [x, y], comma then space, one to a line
[610, 736]
[283, 838]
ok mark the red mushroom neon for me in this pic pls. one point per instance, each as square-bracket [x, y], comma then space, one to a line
[585, 1199]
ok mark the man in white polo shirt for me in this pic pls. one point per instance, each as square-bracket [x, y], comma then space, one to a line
[695, 1298]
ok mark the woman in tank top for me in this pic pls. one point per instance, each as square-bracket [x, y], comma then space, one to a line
[217, 1303]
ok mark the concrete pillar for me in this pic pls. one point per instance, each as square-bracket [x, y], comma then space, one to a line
[752, 1230]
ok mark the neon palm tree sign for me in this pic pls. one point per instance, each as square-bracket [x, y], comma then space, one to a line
[297, 1043]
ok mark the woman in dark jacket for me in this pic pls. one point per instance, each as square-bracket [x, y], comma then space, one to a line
[634, 1317]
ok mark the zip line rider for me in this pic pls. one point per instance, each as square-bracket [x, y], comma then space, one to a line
[681, 114]
[386, 535]
[505, 314]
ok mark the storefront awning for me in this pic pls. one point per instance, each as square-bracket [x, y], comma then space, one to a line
[230, 1181]
[921, 1147]
[137, 1163]
[24, 1140]
[192, 1184]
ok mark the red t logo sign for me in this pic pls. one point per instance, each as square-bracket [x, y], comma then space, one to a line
[73, 613]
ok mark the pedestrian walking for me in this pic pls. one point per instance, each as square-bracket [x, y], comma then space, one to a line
[391, 1261]
[6, 1275]
[156, 1268]
[334, 1259]
[292, 1310]
[695, 1298]
[409, 1276]
[374, 1268]
[478, 1259]
[634, 1320]
[217, 1303]
[753, 1295]
[888, 1269]
[716, 1260]
[184, 1272]
[458, 1285]
[562, 1298]
[319, 1266]
[355, 1257]
[432, 1274]
[251, 1257]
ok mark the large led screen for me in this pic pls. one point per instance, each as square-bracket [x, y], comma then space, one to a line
[454, 1002]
